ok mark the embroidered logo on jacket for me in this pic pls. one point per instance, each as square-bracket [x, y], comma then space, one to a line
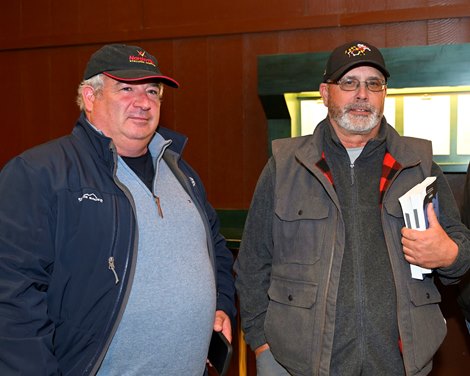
[90, 196]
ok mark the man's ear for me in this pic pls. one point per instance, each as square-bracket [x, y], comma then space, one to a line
[89, 96]
[324, 93]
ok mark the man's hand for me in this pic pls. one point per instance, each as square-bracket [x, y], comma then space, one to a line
[222, 324]
[431, 248]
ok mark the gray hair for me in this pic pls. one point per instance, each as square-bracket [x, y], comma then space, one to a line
[96, 82]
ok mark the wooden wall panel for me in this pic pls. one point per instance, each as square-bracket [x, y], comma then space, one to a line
[10, 19]
[59, 38]
[35, 18]
[225, 120]
[64, 15]
[407, 34]
[40, 24]
[125, 15]
[211, 48]
[254, 125]
[211, 12]
[64, 67]
[191, 69]
[12, 110]
[34, 91]
[449, 31]
[108, 17]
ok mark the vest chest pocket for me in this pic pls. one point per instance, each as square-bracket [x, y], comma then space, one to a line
[393, 208]
[299, 230]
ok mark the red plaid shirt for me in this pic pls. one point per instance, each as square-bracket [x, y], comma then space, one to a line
[389, 168]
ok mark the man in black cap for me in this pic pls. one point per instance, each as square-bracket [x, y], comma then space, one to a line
[323, 273]
[111, 261]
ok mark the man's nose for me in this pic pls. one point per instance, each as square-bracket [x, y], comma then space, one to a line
[362, 91]
[142, 100]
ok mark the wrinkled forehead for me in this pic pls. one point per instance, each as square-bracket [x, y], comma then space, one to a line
[109, 81]
[365, 72]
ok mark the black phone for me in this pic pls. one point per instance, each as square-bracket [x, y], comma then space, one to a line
[220, 353]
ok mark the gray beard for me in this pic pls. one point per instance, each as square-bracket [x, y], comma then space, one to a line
[356, 124]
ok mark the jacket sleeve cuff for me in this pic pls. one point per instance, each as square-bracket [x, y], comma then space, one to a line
[460, 266]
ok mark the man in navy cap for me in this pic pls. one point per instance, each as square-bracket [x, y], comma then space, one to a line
[323, 270]
[111, 261]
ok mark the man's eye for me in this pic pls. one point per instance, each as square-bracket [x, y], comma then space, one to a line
[349, 83]
[126, 88]
[154, 92]
[374, 84]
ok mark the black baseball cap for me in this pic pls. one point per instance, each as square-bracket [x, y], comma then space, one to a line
[126, 63]
[350, 55]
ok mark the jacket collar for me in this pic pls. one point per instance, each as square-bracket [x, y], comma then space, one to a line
[103, 146]
[178, 140]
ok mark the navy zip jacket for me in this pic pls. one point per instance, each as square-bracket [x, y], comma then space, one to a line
[67, 235]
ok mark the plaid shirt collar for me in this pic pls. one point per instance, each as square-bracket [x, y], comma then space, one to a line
[390, 167]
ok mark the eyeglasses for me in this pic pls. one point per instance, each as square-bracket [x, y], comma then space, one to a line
[353, 84]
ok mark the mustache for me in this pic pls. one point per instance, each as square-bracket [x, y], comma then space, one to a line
[359, 106]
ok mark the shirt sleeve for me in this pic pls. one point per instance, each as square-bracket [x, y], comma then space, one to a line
[449, 218]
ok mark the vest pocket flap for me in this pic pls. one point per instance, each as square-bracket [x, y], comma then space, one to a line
[293, 293]
[393, 208]
[424, 294]
[298, 208]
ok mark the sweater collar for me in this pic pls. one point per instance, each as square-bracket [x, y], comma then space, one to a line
[104, 147]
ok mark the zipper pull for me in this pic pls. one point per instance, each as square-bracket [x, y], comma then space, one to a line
[112, 268]
[157, 201]
[351, 166]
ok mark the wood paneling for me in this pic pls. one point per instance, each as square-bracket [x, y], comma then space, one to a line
[211, 47]
[34, 98]
[191, 69]
[35, 24]
[12, 121]
[225, 114]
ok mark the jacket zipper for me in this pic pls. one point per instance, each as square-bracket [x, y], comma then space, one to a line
[159, 207]
[111, 259]
[112, 268]
[351, 166]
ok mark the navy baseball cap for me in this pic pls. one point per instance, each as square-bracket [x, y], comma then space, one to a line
[126, 63]
[351, 55]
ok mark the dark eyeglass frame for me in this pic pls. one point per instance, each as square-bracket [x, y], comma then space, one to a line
[353, 84]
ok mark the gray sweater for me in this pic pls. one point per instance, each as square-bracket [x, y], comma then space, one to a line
[168, 321]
